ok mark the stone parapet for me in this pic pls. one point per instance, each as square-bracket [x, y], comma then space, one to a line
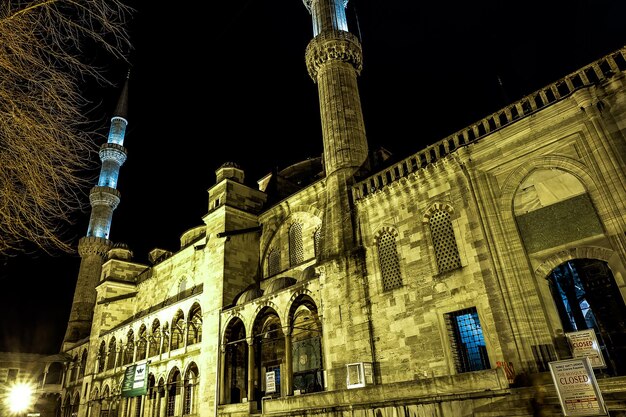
[113, 151]
[104, 196]
[92, 245]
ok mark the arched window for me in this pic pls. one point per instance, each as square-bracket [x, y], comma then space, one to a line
[178, 325]
[154, 339]
[444, 242]
[83, 364]
[273, 262]
[190, 390]
[296, 249]
[388, 261]
[55, 373]
[166, 338]
[102, 356]
[173, 392]
[142, 343]
[129, 351]
[194, 327]
[112, 353]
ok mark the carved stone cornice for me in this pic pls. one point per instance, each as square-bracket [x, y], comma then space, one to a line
[91, 245]
[104, 196]
[114, 151]
[336, 45]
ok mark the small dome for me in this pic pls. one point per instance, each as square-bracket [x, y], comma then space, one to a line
[249, 294]
[279, 284]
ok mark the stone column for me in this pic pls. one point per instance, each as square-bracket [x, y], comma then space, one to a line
[287, 378]
[222, 372]
[251, 369]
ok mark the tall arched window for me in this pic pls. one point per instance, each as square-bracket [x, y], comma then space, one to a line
[83, 364]
[296, 249]
[154, 339]
[102, 355]
[194, 326]
[388, 261]
[129, 351]
[142, 343]
[444, 242]
[112, 353]
[178, 326]
[190, 390]
[173, 392]
[166, 338]
[273, 262]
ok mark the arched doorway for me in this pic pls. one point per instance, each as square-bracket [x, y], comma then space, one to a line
[306, 342]
[236, 362]
[269, 353]
[587, 297]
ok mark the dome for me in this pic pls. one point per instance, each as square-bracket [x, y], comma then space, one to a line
[279, 284]
[249, 294]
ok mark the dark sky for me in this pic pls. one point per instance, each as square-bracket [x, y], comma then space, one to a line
[226, 81]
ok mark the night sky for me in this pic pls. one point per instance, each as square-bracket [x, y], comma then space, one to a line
[219, 82]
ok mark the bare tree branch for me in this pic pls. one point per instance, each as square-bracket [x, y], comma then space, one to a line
[47, 141]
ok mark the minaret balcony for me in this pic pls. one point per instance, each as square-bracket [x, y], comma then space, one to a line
[112, 151]
[335, 45]
[108, 196]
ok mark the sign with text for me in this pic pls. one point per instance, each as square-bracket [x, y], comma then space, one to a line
[135, 381]
[577, 388]
[584, 343]
[270, 382]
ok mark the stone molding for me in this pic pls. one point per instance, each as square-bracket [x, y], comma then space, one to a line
[113, 151]
[335, 45]
[104, 196]
[91, 245]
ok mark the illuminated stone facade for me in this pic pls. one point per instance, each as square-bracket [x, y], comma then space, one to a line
[441, 284]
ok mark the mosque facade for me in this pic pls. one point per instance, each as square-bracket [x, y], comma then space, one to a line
[443, 283]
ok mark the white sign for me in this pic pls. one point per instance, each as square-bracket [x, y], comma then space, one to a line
[270, 382]
[584, 343]
[577, 388]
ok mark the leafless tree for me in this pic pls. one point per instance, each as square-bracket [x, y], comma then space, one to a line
[48, 55]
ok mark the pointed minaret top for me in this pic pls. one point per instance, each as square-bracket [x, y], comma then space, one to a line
[121, 110]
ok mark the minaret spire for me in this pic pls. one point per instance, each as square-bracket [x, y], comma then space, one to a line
[104, 198]
[334, 59]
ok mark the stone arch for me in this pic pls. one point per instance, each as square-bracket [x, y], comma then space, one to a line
[232, 316]
[517, 176]
[590, 252]
[260, 307]
[301, 292]
[392, 230]
[436, 207]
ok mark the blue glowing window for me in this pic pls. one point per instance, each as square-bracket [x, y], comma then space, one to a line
[468, 344]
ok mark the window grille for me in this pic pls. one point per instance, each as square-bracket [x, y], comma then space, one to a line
[388, 259]
[446, 251]
[155, 339]
[138, 406]
[468, 344]
[296, 250]
[273, 262]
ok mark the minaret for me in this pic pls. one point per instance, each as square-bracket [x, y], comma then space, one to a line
[334, 59]
[93, 248]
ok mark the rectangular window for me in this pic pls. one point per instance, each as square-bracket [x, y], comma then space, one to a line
[468, 344]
